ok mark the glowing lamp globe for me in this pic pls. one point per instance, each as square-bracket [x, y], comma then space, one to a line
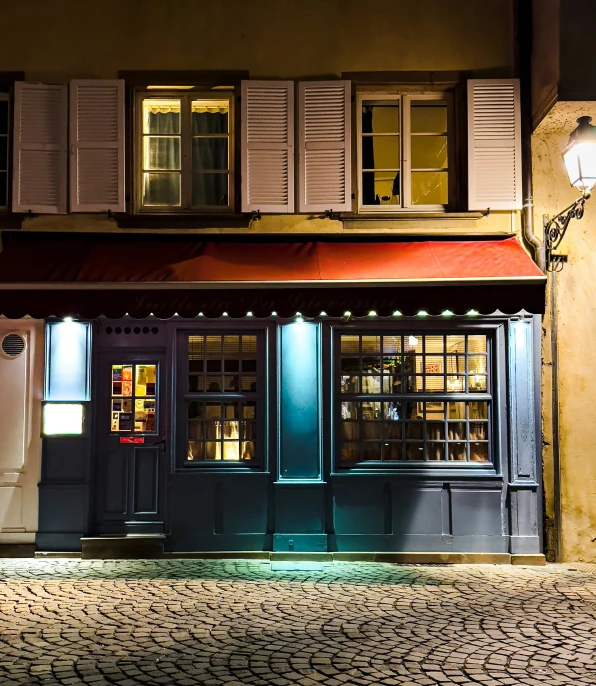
[580, 156]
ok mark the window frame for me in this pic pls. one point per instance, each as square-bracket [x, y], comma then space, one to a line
[186, 95]
[5, 97]
[405, 97]
[496, 397]
[183, 397]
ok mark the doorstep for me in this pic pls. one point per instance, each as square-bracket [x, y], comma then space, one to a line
[127, 547]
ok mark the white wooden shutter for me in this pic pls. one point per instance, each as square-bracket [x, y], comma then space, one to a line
[268, 146]
[40, 140]
[97, 146]
[324, 169]
[494, 144]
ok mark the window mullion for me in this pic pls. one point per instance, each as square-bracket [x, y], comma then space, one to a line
[406, 147]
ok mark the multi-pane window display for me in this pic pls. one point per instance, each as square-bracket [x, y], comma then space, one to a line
[414, 397]
[133, 398]
[221, 399]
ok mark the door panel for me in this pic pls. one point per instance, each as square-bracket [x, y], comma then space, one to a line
[146, 468]
[116, 483]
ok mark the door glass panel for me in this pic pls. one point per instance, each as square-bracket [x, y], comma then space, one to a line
[133, 404]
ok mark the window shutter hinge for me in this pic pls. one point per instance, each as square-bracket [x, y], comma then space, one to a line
[353, 98]
[353, 196]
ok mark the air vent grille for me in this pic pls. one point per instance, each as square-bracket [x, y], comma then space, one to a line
[13, 345]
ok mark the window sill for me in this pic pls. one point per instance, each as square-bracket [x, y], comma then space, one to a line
[182, 221]
[448, 472]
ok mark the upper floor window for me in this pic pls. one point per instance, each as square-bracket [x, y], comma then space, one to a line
[184, 158]
[3, 151]
[403, 151]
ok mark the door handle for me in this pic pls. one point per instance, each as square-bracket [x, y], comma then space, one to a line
[162, 443]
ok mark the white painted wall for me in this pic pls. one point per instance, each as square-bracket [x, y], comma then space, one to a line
[21, 391]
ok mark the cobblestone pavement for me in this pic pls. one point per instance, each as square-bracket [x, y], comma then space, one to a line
[236, 622]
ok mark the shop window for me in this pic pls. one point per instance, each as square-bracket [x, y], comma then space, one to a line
[185, 155]
[414, 398]
[133, 398]
[403, 151]
[222, 398]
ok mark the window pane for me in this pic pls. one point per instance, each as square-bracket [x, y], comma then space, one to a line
[3, 153]
[428, 118]
[3, 116]
[478, 410]
[429, 188]
[476, 344]
[456, 344]
[380, 118]
[145, 380]
[3, 189]
[209, 154]
[380, 152]
[162, 189]
[391, 344]
[161, 153]
[209, 117]
[145, 416]
[210, 189]
[456, 451]
[414, 452]
[161, 116]
[479, 452]
[380, 188]
[350, 344]
[429, 152]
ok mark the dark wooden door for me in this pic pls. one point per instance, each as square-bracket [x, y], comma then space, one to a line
[131, 447]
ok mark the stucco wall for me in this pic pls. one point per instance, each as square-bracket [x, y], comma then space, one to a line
[271, 38]
[576, 313]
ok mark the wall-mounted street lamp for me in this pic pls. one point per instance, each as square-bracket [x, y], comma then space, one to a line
[580, 162]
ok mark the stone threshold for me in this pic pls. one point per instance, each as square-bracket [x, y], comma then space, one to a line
[112, 552]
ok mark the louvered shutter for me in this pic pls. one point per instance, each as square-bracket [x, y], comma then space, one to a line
[97, 146]
[494, 144]
[268, 146]
[40, 140]
[324, 171]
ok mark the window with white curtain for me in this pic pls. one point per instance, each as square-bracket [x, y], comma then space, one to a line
[184, 151]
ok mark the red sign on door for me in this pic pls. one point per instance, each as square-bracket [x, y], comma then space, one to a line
[132, 439]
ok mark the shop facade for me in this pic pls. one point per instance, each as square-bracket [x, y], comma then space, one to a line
[313, 428]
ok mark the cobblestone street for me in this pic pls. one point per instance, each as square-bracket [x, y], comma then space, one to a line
[238, 622]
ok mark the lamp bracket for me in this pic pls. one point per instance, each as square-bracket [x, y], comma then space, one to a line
[554, 232]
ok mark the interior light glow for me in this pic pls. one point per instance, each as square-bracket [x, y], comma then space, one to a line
[447, 313]
[473, 313]
[397, 313]
[372, 313]
[62, 419]
[413, 341]
[68, 320]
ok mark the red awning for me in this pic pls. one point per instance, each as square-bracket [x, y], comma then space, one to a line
[53, 274]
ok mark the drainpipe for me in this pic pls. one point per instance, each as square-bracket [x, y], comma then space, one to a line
[524, 40]
[524, 44]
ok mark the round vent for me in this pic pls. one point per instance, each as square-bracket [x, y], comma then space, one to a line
[13, 345]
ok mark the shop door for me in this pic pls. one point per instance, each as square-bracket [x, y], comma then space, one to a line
[131, 459]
